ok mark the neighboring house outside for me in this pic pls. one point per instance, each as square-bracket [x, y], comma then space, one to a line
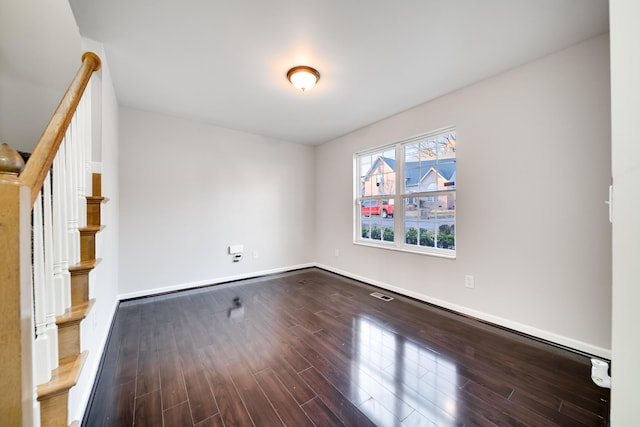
[381, 178]
[427, 176]
[422, 176]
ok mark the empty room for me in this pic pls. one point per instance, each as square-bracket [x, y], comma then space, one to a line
[414, 213]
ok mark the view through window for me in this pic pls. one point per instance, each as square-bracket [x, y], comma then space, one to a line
[417, 212]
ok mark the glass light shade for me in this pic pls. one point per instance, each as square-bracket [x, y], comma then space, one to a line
[303, 77]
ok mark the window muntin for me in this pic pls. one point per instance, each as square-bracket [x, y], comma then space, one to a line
[425, 199]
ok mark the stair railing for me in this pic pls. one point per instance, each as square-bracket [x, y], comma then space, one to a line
[51, 278]
[34, 266]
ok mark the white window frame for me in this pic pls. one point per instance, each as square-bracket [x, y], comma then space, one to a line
[398, 198]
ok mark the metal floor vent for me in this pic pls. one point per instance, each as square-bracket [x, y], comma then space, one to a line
[383, 297]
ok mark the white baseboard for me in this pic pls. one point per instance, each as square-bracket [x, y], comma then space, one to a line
[519, 327]
[212, 281]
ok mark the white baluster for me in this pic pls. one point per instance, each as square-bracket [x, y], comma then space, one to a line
[41, 348]
[88, 145]
[62, 278]
[72, 220]
[51, 329]
[81, 115]
[89, 141]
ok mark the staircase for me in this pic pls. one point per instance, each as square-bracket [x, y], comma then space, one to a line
[49, 220]
[53, 395]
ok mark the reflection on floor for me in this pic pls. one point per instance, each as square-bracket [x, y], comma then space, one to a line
[383, 358]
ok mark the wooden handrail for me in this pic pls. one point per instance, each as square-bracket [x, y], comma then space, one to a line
[45, 151]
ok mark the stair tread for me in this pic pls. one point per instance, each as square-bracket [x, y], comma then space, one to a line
[85, 265]
[96, 199]
[75, 313]
[64, 377]
[91, 229]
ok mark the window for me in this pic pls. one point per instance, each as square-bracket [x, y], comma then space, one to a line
[416, 213]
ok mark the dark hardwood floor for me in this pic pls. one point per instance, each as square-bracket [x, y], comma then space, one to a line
[313, 348]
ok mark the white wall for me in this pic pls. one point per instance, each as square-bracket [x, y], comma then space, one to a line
[533, 173]
[188, 190]
[40, 54]
[625, 98]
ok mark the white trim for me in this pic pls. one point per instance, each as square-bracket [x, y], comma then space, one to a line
[213, 281]
[529, 330]
[420, 250]
[408, 140]
[96, 167]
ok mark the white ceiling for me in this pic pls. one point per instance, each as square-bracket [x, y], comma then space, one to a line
[225, 61]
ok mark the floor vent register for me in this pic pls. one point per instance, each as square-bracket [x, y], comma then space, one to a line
[383, 297]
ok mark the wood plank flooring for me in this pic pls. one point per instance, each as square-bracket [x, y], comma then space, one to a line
[314, 348]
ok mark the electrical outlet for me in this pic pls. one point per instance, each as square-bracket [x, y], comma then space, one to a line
[236, 249]
[469, 282]
[337, 252]
[255, 254]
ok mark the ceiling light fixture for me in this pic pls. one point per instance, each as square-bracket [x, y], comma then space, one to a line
[303, 77]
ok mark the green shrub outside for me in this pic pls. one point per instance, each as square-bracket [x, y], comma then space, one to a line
[426, 237]
[412, 236]
[387, 235]
[446, 236]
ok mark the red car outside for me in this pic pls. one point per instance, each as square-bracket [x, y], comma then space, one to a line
[377, 207]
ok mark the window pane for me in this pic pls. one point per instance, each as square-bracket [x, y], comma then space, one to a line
[430, 221]
[428, 150]
[378, 173]
[376, 218]
[364, 165]
[411, 232]
[430, 165]
[372, 228]
[447, 174]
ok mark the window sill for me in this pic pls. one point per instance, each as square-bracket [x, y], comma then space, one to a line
[393, 247]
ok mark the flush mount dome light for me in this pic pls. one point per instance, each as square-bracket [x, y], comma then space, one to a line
[303, 77]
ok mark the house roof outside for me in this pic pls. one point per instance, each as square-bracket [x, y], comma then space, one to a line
[416, 171]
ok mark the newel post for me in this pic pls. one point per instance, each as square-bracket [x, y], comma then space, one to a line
[16, 318]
